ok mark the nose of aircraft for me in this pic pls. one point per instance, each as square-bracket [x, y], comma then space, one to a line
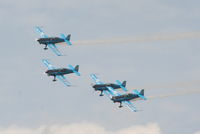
[92, 85]
[46, 72]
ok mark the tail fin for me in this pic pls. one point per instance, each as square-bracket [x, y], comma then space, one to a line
[142, 92]
[68, 37]
[76, 68]
[124, 83]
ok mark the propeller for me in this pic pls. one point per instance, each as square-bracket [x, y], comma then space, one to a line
[121, 85]
[74, 70]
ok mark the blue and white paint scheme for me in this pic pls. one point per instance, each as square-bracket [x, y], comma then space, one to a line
[123, 99]
[60, 72]
[100, 86]
[126, 98]
[50, 42]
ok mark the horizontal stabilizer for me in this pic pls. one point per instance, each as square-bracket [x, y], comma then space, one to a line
[140, 94]
[122, 85]
[66, 39]
[75, 70]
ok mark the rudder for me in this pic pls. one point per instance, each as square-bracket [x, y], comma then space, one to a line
[68, 37]
[124, 83]
[142, 92]
[77, 68]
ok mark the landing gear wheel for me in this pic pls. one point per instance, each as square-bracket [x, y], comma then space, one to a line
[45, 47]
[101, 93]
[120, 106]
[54, 79]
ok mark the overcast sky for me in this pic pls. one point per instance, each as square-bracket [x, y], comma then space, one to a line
[31, 102]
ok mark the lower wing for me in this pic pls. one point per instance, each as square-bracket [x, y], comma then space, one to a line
[63, 80]
[54, 49]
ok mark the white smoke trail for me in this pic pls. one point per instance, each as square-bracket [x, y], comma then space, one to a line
[189, 84]
[181, 93]
[140, 39]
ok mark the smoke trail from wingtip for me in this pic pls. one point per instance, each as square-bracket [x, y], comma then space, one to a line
[181, 93]
[140, 39]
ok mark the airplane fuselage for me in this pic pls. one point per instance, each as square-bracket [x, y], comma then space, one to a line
[50, 40]
[125, 97]
[60, 71]
[102, 87]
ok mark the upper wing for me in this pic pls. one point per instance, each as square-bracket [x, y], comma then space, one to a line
[40, 31]
[54, 49]
[96, 79]
[47, 64]
[63, 80]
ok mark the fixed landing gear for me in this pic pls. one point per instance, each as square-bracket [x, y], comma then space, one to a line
[120, 106]
[54, 79]
[101, 94]
[45, 47]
